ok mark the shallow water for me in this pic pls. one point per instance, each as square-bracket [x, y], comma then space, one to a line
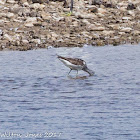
[39, 101]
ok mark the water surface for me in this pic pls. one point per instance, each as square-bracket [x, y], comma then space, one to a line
[39, 101]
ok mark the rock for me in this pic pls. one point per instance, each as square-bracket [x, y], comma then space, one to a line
[54, 36]
[11, 1]
[93, 27]
[15, 9]
[10, 15]
[109, 4]
[2, 1]
[58, 18]
[114, 26]
[92, 9]
[30, 24]
[131, 6]
[26, 4]
[8, 37]
[136, 33]
[37, 6]
[80, 15]
[126, 18]
[102, 11]
[24, 41]
[126, 29]
[37, 41]
[2, 15]
[1, 32]
[31, 19]
[45, 16]
[107, 33]
[86, 22]
[95, 2]
[38, 1]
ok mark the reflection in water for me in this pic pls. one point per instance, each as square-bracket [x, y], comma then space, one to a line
[78, 77]
[37, 97]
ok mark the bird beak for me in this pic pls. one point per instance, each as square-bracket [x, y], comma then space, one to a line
[90, 72]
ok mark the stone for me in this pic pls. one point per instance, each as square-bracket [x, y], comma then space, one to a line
[126, 29]
[107, 33]
[131, 6]
[24, 41]
[37, 41]
[11, 1]
[45, 16]
[102, 11]
[30, 24]
[2, 1]
[31, 19]
[26, 4]
[80, 15]
[10, 15]
[37, 6]
[38, 1]
[93, 27]
[92, 9]
[95, 2]
[114, 26]
[8, 37]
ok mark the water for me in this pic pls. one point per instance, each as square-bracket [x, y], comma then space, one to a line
[39, 101]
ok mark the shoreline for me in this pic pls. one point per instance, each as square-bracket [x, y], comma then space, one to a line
[26, 25]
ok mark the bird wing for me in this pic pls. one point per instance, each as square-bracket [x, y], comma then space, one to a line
[75, 61]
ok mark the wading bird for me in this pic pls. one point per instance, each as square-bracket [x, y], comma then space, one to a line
[75, 64]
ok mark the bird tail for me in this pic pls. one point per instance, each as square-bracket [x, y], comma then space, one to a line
[58, 56]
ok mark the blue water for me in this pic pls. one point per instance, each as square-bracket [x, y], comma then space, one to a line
[39, 101]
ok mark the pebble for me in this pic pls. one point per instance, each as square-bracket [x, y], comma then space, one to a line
[29, 24]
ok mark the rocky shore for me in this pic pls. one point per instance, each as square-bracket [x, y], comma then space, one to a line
[32, 24]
